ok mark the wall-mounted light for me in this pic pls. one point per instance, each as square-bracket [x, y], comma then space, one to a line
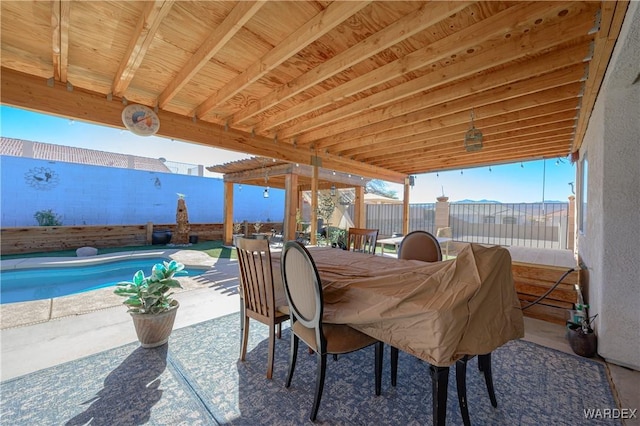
[412, 181]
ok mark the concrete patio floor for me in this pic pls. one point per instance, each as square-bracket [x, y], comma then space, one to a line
[73, 327]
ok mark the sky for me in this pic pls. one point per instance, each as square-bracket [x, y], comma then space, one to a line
[508, 183]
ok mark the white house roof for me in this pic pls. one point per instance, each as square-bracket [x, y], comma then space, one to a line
[45, 151]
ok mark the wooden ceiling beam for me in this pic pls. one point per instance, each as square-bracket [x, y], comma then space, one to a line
[60, 39]
[470, 91]
[146, 28]
[427, 15]
[460, 121]
[315, 28]
[468, 160]
[439, 50]
[519, 146]
[29, 92]
[504, 99]
[219, 37]
[464, 65]
[456, 133]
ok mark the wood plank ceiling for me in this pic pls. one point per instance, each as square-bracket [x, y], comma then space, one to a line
[383, 89]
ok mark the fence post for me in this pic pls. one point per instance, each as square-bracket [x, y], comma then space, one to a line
[442, 212]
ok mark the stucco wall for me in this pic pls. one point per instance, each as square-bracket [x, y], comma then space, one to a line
[94, 195]
[609, 245]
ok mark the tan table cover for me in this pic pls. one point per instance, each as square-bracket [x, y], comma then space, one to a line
[438, 312]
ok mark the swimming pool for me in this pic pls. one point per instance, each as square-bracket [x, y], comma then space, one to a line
[21, 285]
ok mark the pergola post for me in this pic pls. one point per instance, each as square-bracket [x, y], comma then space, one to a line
[313, 239]
[405, 206]
[291, 204]
[227, 226]
[359, 211]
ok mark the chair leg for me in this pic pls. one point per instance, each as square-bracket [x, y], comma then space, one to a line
[379, 357]
[320, 373]
[485, 361]
[461, 382]
[394, 365]
[439, 386]
[293, 353]
[243, 320]
[272, 349]
[244, 336]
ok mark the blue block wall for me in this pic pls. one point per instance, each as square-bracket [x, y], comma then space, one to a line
[94, 195]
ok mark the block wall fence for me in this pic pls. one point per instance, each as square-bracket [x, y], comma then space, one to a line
[85, 195]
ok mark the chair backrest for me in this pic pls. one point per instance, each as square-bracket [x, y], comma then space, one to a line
[420, 245]
[256, 276]
[362, 240]
[302, 286]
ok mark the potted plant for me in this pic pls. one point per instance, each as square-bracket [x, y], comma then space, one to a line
[151, 306]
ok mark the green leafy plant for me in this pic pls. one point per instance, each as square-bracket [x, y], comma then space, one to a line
[47, 218]
[150, 295]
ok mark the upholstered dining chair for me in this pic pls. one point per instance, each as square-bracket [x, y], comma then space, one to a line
[303, 290]
[258, 298]
[420, 245]
[362, 240]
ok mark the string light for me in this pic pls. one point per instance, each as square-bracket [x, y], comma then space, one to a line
[461, 172]
[489, 169]
[521, 165]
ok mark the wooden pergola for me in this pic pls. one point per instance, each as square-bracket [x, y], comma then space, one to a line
[294, 179]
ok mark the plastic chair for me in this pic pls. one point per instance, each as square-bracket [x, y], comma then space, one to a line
[445, 233]
[303, 290]
[258, 296]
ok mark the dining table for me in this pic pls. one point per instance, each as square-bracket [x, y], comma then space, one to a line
[439, 312]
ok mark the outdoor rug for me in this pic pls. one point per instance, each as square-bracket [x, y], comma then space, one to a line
[197, 380]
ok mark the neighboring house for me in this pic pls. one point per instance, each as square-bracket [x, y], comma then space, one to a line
[69, 154]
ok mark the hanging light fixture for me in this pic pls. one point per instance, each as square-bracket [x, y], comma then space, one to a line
[265, 194]
[333, 190]
[473, 137]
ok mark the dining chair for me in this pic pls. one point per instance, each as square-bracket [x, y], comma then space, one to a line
[421, 245]
[362, 240]
[303, 290]
[445, 233]
[258, 296]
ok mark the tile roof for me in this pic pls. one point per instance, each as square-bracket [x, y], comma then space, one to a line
[69, 154]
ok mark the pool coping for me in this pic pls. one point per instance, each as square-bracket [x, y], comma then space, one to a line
[37, 311]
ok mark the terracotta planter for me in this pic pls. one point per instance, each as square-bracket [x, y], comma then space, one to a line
[154, 329]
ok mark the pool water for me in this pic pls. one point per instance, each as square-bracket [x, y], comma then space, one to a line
[21, 285]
